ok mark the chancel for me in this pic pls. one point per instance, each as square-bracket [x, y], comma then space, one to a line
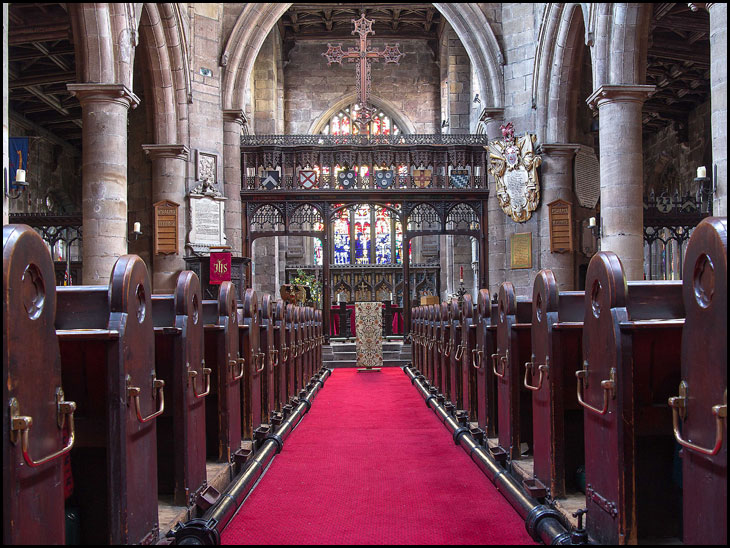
[269, 268]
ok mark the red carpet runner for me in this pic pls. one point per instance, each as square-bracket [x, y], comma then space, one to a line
[371, 464]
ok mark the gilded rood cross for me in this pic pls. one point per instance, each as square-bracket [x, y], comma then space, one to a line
[363, 57]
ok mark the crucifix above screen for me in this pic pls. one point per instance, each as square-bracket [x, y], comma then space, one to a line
[363, 56]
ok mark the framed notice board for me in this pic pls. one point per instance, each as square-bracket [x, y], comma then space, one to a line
[520, 246]
[166, 227]
[561, 226]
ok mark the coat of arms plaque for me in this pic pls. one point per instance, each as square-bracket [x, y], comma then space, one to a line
[514, 165]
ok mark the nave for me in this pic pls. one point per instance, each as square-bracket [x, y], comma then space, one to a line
[371, 464]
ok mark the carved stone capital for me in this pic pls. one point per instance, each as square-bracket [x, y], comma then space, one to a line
[619, 94]
[491, 113]
[167, 151]
[557, 150]
[235, 115]
[104, 93]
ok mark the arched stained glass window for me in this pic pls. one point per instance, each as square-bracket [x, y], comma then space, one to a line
[341, 123]
[375, 233]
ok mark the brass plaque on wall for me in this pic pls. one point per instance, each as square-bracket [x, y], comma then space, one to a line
[166, 227]
[561, 226]
[520, 246]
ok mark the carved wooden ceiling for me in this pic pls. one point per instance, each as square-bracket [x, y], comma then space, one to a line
[330, 21]
[678, 65]
[41, 62]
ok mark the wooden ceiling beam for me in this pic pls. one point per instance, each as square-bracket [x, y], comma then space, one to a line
[43, 79]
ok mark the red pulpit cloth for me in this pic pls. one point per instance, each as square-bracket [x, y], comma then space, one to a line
[220, 267]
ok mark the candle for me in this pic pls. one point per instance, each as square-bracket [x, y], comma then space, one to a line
[461, 274]
[701, 172]
[20, 176]
[592, 222]
[137, 227]
[391, 297]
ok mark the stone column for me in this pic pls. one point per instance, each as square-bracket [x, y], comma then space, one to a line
[233, 122]
[622, 180]
[169, 173]
[718, 91]
[493, 118]
[104, 109]
[557, 184]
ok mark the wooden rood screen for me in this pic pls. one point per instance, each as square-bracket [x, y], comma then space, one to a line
[298, 185]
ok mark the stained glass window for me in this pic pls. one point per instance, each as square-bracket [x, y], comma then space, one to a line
[342, 123]
[342, 237]
[362, 235]
[318, 250]
[382, 236]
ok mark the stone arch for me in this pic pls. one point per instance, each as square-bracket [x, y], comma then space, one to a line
[557, 69]
[400, 118]
[256, 20]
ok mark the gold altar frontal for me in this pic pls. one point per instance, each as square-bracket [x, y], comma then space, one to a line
[369, 335]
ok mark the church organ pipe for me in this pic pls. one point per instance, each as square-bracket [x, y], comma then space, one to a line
[207, 529]
[542, 522]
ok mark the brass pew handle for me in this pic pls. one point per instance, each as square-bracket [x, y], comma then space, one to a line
[260, 357]
[478, 353]
[284, 352]
[679, 406]
[459, 352]
[191, 380]
[529, 368]
[431, 342]
[608, 386]
[242, 363]
[503, 361]
[134, 391]
[274, 356]
[447, 349]
[24, 424]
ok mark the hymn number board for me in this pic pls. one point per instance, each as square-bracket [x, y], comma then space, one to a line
[166, 227]
[561, 226]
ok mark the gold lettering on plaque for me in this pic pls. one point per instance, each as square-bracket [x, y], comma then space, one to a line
[561, 226]
[166, 227]
[521, 250]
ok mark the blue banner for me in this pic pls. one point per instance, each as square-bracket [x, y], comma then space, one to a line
[18, 150]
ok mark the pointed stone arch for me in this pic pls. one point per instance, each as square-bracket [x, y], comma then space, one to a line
[401, 119]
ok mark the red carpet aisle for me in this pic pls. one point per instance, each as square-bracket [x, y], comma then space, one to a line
[371, 464]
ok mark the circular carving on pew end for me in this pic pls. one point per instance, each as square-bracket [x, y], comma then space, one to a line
[196, 309]
[704, 280]
[596, 291]
[34, 291]
[141, 303]
[538, 308]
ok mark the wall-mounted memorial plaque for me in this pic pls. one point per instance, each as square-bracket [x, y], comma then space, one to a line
[207, 222]
[520, 246]
[166, 227]
[561, 226]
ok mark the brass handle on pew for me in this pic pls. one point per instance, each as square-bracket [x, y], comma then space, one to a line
[240, 361]
[260, 357]
[191, 379]
[529, 367]
[459, 352]
[24, 424]
[431, 343]
[446, 349]
[284, 352]
[607, 385]
[273, 356]
[679, 407]
[503, 360]
[479, 354]
[133, 392]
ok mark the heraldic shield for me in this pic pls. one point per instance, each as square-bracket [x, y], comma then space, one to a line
[347, 178]
[422, 178]
[514, 165]
[271, 181]
[307, 178]
[384, 178]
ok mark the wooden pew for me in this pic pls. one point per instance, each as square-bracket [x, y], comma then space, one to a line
[252, 396]
[222, 356]
[514, 421]
[444, 348]
[320, 339]
[468, 370]
[36, 412]
[293, 340]
[107, 348]
[299, 325]
[282, 357]
[699, 406]
[557, 417]
[631, 350]
[178, 326]
[455, 360]
[434, 337]
[486, 381]
[270, 358]
[308, 344]
[415, 337]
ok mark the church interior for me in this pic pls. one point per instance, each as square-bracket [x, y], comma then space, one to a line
[247, 242]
